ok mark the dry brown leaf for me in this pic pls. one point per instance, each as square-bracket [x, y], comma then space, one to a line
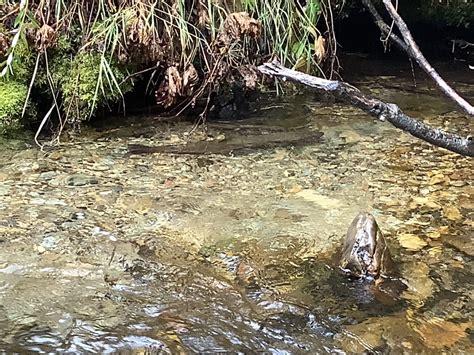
[237, 24]
[420, 285]
[4, 44]
[249, 74]
[320, 48]
[433, 205]
[175, 82]
[321, 200]
[437, 179]
[434, 234]
[469, 222]
[461, 174]
[438, 333]
[425, 202]
[374, 332]
[45, 37]
[170, 88]
[202, 15]
[295, 189]
[190, 80]
[461, 242]
[350, 136]
[435, 251]
[443, 229]
[138, 32]
[247, 25]
[456, 264]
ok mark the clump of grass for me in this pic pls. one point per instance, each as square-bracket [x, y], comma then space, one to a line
[290, 31]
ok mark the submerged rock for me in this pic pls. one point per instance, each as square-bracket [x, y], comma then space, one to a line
[81, 180]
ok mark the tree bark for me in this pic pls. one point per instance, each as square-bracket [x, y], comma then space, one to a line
[376, 108]
[411, 48]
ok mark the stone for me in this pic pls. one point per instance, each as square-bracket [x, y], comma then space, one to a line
[81, 180]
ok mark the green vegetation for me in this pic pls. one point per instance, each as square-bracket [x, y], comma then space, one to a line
[14, 88]
[75, 57]
[81, 82]
[80, 58]
[12, 97]
[456, 13]
[290, 31]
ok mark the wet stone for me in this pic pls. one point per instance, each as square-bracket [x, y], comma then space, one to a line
[49, 242]
[48, 202]
[4, 190]
[48, 175]
[80, 215]
[81, 180]
[462, 243]
[56, 155]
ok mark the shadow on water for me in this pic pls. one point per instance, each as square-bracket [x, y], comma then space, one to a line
[173, 253]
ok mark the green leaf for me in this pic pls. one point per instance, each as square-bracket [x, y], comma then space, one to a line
[298, 49]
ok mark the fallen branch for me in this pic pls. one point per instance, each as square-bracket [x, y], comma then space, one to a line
[411, 48]
[376, 108]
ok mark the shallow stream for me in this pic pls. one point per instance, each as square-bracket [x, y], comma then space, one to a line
[177, 253]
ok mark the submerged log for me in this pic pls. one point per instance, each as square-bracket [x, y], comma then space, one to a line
[376, 108]
[234, 145]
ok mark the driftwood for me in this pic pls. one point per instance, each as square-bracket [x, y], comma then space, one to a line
[408, 45]
[376, 108]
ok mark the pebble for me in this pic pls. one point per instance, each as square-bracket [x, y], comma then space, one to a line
[48, 175]
[4, 190]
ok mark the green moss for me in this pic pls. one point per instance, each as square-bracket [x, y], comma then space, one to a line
[85, 81]
[88, 82]
[23, 61]
[64, 43]
[12, 98]
[60, 58]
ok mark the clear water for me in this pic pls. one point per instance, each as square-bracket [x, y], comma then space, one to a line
[165, 253]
